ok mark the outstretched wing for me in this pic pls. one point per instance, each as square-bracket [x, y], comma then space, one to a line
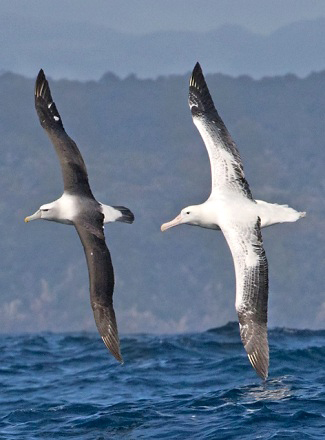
[226, 166]
[74, 171]
[101, 281]
[251, 269]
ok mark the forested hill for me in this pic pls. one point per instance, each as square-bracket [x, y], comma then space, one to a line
[143, 151]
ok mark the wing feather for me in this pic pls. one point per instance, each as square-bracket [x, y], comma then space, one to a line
[251, 270]
[101, 281]
[227, 170]
[74, 172]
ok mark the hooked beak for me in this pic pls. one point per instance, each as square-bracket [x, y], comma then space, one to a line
[34, 216]
[177, 221]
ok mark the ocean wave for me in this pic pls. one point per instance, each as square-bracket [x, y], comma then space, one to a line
[198, 386]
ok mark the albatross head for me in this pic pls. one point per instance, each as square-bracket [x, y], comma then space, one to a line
[45, 212]
[190, 215]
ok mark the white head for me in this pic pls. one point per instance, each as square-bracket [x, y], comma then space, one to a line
[46, 212]
[191, 215]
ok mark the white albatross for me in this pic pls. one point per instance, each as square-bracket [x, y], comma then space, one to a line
[231, 208]
[77, 206]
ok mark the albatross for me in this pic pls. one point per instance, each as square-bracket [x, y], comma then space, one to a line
[232, 209]
[78, 207]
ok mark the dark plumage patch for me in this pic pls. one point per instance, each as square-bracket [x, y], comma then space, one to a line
[199, 99]
[45, 106]
[126, 215]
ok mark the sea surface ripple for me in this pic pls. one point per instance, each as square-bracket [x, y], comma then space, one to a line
[188, 386]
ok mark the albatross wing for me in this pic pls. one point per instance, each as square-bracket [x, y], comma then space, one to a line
[226, 166]
[101, 281]
[74, 170]
[251, 268]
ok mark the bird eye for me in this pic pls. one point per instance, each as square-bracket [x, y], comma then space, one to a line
[188, 212]
[44, 209]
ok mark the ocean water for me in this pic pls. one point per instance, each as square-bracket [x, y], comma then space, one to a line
[192, 386]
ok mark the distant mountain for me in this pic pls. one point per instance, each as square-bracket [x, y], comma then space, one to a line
[84, 51]
[143, 151]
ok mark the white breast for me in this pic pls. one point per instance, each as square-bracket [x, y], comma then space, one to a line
[67, 208]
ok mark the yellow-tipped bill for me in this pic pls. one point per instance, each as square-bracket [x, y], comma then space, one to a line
[35, 216]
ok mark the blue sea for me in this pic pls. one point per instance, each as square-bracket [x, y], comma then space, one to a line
[188, 386]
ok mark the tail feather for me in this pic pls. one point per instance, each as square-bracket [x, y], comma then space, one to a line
[117, 214]
[272, 213]
[126, 215]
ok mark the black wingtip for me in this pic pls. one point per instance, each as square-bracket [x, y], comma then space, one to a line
[41, 76]
[46, 109]
[41, 84]
[200, 100]
[260, 363]
[127, 216]
[107, 327]
[197, 79]
[255, 341]
[113, 348]
[197, 69]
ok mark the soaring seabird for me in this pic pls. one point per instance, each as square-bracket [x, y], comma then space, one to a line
[77, 206]
[232, 209]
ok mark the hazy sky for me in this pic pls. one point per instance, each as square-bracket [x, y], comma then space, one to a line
[83, 39]
[142, 16]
